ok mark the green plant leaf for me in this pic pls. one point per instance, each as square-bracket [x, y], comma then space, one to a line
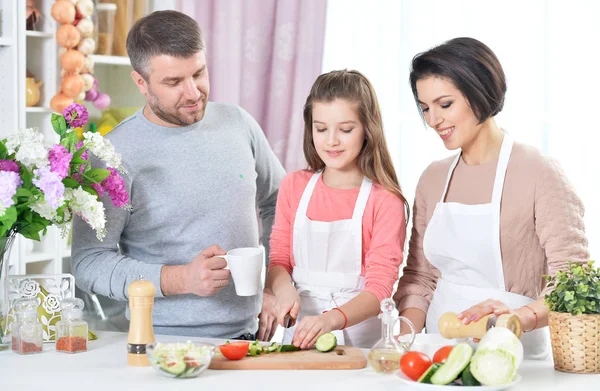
[575, 290]
[91, 190]
[59, 124]
[32, 230]
[9, 215]
[27, 178]
[69, 141]
[22, 192]
[96, 175]
[77, 161]
[3, 151]
[70, 183]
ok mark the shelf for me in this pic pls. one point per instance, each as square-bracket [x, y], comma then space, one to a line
[4, 41]
[38, 110]
[39, 34]
[110, 60]
[37, 257]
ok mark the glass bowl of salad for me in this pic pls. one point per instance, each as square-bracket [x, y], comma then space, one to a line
[180, 359]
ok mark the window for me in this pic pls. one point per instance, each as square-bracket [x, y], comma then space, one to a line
[549, 53]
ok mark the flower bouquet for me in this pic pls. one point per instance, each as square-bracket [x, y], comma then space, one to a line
[43, 185]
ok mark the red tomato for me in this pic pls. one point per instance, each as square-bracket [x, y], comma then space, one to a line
[442, 354]
[235, 350]
[414, 364]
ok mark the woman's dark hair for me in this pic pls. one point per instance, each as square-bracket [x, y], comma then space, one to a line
[471, 66]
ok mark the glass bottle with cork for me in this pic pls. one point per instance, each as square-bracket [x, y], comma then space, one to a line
[71, 330]
[26, 332]
[384, 356]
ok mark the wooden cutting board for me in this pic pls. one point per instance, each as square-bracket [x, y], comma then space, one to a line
[342, 357]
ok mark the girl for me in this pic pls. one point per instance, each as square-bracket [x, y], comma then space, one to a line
[492, 220]
[337, 241]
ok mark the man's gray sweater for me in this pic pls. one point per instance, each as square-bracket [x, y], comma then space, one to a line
[190, 187]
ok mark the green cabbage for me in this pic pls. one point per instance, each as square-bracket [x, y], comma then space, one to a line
[498, 356]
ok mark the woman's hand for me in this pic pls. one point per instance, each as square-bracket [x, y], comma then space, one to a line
[311, 327]
[482, 309]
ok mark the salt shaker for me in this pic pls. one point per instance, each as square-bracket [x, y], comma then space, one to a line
[26, 332]
[71, 330]
[141, 332]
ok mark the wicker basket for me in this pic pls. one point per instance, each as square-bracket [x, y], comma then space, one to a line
[575, 342]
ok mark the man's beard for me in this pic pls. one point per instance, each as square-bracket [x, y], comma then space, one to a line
[173, 117]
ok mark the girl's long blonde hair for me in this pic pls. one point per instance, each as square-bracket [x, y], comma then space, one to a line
[374, 160]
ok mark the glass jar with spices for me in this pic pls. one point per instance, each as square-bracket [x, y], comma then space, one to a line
[26, 332]
[71, 330]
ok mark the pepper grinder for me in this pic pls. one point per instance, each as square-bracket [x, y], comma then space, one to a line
[141, 301]
[451, 327]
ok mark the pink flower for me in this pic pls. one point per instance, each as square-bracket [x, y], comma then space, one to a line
[114, 185]
[98, 188]
[76, 115]
[60, 159]
[9, 165]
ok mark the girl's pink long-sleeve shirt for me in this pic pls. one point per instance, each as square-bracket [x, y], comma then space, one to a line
[384, 227]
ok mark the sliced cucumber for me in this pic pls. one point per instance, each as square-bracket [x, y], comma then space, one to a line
[426, 376]
[176, 368]
[468, 379]
[255, 349]
[457, 361]
[287, 348]
[326, 342]
[271, 348]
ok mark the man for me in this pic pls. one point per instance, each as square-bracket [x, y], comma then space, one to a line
[196, 172]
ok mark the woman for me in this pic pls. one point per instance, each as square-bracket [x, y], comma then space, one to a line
[492, 220]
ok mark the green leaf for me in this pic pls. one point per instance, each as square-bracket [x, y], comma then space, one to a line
[96, 175]
[69, 141]
[59, 124]
[70, 183]
[78, 153]
[575, 290]
[21, 192]
[91, 190]
[3, 151]
[10, 215]
[27, 178]
[78, 160]
[31, 231]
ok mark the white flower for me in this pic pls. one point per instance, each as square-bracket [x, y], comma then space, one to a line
[89, 208]
[44, 209]
[33, 155]
[22, 136]
[29, 288]
[51, 303]
[29, 145]
[103, 149]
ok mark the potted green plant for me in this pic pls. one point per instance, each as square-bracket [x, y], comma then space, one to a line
[574, 318]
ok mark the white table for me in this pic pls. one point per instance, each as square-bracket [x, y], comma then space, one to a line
[104, 368]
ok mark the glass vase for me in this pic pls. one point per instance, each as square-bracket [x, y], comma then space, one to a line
[6, 243]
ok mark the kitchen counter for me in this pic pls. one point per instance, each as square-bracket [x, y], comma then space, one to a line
[104, 367]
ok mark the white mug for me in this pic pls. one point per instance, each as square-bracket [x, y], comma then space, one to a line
[245, 265]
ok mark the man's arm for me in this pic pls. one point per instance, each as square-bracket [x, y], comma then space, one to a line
[99, 267]
[270, 173]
